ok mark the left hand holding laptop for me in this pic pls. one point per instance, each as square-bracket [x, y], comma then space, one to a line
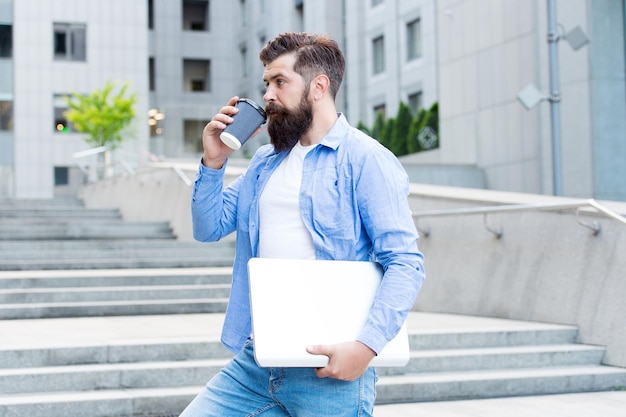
[347, 361]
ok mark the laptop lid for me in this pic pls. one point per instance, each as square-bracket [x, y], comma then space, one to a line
[296, 303]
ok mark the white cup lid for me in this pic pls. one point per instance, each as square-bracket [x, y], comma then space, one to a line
[230, 141]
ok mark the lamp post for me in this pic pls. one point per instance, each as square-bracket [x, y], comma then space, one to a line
[530, 96]
[555, 99]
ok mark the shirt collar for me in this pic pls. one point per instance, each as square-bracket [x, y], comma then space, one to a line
[339, 130]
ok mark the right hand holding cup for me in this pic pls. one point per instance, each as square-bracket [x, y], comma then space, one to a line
[221, 136]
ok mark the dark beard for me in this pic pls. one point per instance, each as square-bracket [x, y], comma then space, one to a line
[286, 127]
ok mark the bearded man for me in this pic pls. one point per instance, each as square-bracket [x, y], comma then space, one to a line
[320, 190]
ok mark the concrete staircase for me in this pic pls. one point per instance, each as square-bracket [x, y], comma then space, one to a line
[63, 260]
[113, 292]
[150, 375]
[63, 234]
[72, 280]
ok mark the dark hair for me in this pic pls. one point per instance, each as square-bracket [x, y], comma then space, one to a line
[315, 55]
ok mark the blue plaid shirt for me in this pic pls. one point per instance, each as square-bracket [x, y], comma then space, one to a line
[353, 201]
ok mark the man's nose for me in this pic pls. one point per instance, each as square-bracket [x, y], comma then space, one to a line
[269, 95]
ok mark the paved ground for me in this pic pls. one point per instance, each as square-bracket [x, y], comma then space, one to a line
[89, 330]
[602, 404]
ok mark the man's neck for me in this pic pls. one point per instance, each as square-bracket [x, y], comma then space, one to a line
[323, 121]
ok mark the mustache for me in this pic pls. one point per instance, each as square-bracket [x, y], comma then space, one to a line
[273, 108]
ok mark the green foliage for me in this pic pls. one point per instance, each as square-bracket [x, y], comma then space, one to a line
[387, 132]
[361, 126]
[378, 125]
[102, 115]
[417, 125]
[406, 134]
[400, 134]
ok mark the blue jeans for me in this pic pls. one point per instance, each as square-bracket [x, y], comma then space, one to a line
[243, 389]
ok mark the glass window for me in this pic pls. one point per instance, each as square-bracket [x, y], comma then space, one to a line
[376, 2]
[193, 135]
[415, 102]
[70, 41]
[380, 109]
[6, 115]
[244, 60]
[150, 14]
[61, 124]
[6, 41]
[378, 46]
[197, 75]
[244, 12]
[151, 74]
[196, 15]
[61, 176]
[414, 40]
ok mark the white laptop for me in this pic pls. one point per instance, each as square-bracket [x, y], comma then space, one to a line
[296, 303]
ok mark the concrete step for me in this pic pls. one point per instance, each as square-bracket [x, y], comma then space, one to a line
[472, 338]
[52, 213]
[114, 277]
[447, 386]
[109, 376]
[108, 293]
[157, 349]
[86, 230]
[181, 251]
[9, 203]
[112, 308]
[87, 244]
[101, 403]
[164, 260]
[505, 357]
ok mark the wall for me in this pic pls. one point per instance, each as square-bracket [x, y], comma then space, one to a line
[155, 193]
[546, 267]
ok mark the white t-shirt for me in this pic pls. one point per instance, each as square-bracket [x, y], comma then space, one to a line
[282, 233]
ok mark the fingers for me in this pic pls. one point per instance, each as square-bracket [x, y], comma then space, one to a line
[319, 350]
[224, 116]
[216, 152]
[347, 361]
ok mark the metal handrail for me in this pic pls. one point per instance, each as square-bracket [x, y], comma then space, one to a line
[594, 226]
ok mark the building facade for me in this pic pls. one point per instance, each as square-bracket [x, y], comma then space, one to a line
[53, 48]
[488, 51]
[185, 58]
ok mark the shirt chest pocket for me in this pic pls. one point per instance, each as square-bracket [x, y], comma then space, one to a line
[332, 201]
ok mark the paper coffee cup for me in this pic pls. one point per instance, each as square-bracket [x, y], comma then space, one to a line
[245, 123]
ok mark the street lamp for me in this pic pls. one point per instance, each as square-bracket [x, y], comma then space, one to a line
[530, 96]
[154, 117]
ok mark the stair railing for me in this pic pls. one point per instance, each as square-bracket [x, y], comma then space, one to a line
[498, 231]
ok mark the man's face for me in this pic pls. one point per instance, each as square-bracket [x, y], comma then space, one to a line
[288, 106]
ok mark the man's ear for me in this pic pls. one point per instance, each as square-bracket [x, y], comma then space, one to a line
[319, 86]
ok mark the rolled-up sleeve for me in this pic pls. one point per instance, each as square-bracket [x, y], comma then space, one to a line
[213, 209]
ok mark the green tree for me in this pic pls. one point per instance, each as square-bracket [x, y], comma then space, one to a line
[386, 133]
[413, 145]
[361, 126]
[379, 124]
[102, 115]
[400, 135]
